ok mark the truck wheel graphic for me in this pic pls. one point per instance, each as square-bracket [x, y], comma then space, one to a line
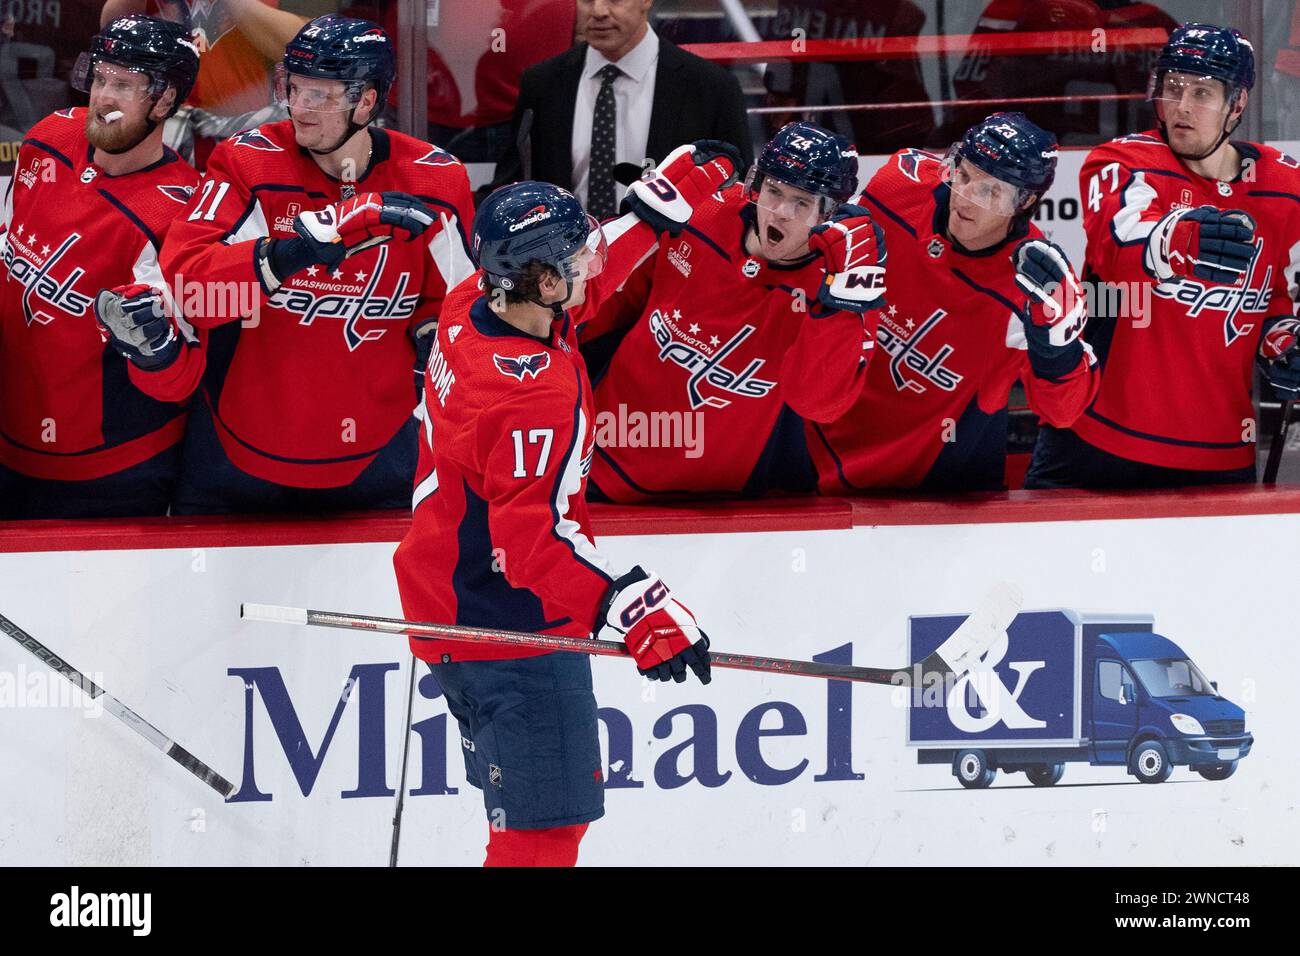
[1150, 762]
[1045, 775]
[1218, 771]
[973, 770]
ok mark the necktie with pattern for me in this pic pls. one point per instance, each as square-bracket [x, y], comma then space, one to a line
[600, 174]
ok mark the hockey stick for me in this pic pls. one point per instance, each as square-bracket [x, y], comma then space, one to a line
[1278, 444]
[956, 655]
[119, 710]
[406, 749]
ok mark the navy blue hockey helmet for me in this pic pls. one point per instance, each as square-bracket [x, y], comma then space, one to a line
[1203, 49]
[1009, 147]
[356, 52]
[527, 223]
[160, 49]
[809, 158]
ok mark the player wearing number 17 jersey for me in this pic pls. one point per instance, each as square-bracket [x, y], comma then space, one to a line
[499, 535]
[1194, 248]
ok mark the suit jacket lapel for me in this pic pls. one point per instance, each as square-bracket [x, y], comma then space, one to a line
[569, 78]
[665, 116]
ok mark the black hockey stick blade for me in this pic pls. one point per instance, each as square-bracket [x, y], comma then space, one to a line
[118, 709]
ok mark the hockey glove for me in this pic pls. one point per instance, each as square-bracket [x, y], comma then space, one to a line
[666, 196]
[328, 236]
[852, 247]
[657, 630]
[424, 336]
[134, 320]
[1279, 357]
[1205, 243]
[1054, 313]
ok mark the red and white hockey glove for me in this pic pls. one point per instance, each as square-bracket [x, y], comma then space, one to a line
[134, 319]
[1055, 310]
[1206, 243]
[666, 196]
[328, 236]
[657, 630]
[1279, 357]
[853, 248]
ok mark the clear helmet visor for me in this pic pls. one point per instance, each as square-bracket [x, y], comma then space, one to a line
[1186, 94]
[101, 78]
[315, 95]
[589, 258]
[785, 205]
[976, 186]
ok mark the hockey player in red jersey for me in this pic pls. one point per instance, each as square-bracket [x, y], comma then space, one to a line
[500, 536]
[759, 311]
[1202, 235]
[307, 396]
[977, 298]
[93, 194]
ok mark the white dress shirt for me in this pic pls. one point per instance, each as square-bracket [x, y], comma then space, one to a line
[634, 96]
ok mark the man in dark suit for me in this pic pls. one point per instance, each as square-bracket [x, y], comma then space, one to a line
[623, 96]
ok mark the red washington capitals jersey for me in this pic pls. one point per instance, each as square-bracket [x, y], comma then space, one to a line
[500, 535]
[309, 389]
[1175, 388]
[933, 412]
[721, 343]
[68, 408]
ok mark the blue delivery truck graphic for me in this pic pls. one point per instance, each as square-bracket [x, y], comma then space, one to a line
[1064, 687]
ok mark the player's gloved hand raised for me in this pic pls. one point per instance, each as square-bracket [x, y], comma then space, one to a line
[666, 196]
[134, 319]
[657, 630]
[1055, 309]
[852, 246]
[1214, 245]
[346, 227]
[1279, 357]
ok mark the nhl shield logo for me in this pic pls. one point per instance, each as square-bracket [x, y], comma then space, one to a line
[494, 775]
[88, 174]
[935, 248]
[750, 269]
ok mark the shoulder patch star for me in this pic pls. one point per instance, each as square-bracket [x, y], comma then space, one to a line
[694, 328]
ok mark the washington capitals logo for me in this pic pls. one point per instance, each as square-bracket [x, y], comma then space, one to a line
[437, 157]
[182, 194]
[522, 365]
[1235, 301]
[910, 160]
[905, 352]
[40, 286]
[256, 139]
[704, 362]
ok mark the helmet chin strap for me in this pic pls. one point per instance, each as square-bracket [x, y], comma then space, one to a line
[1223, 137]
[353, 128]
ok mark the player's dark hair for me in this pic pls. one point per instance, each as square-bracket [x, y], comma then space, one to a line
[527, 287]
